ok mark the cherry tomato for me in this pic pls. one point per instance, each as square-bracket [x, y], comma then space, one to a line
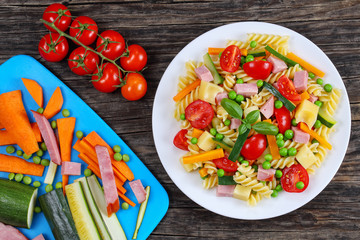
[283, 118]
[230, 59]
[53, 48]
[136, 60]
[135, 87]
[84, 29]
[287, 89]
[111, 44]
[60, 13]
[109, 78]
[258, 69]
[292, 175]
[199, 113]
[254, 147]
[180, 140]
[82, 62]
[225, 164]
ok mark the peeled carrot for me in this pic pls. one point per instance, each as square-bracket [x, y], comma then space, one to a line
[274, 149]
[6, 139]
[305, 64]
[258, 58]
[126, 199]
[215, 51]
[304, 96]
[313, 134]
[14, 164]
[197, 133]
[205, 156]
[16, 122]
[1, 126]
[203, 172]
[35, 90]
[36, 131]
[54, 105]
[187, 90]
[244, 52]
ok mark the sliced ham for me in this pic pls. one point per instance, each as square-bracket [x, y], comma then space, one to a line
[300, 136]
[204, 74]
[268, 108]
[246, 89]
[278, 64]
[108, 179]
[139, 190]
[8, 232]
[39, 237]
[49, 137]
[265, 174]
[225, 190]
[71, 168]
[301, 80]
[275, 85]
[313, 98]
[220, 96]
[235, 123]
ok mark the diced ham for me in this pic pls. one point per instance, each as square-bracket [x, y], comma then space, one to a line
[246, 89]
[225, 190]
[278, 64]
[220, 96]
[39, 237]
[313, 98]
[268, 108]
[9, 232]
[301, 80]
[235, 123]
[265, 174]
[71, 168]
[138, 189]
[108, 179]
[204, 74]
[49, 137]
[300, 136]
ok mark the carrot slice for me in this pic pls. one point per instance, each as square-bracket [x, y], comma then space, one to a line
[313, 134]
[203, 172]
[205, 156]
[1, 126]
[258, 58]
[126, 199]
[16, 122]
[54, 105]
[274, 149]
[14, 164]
[36, 131]
[215, 51]
[305, 64]
[35, 90]
[187, 90]
[197, 133]
[6, 138]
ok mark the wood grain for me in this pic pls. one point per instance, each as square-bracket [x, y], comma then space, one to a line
[163, 28]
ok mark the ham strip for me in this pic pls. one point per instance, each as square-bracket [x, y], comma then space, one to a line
[39, 237]
[225, 190]
[49, 137]
[108, 179]
[9, 232]
[138, 189]
[265, 174]
[71, 168]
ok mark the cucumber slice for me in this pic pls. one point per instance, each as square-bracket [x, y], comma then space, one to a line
[210, 65]
[49, 179]
[226, 180]
[257, 52]
[325, 118]
[280, 56]
[289, 105]
[83, 219]
[141, 212]
[223, 145]
[238, 146]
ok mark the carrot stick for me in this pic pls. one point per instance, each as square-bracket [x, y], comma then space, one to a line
[54, 105]
[35, 90]
[14, 164]
[244, 52]
[274, 149]
[36, 131]
[313, 134]
[258, 58]
[215, 51]
[202, 157]
[187, 90]
[1, 126]
[16, 122]
[6, 138]
[203, 172]
[305, 64]
[126, 199]
[197, 133]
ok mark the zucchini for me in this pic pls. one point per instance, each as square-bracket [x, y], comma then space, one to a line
[238, 145]
[280, 56]
[226, 180]
[79, 208]
[49, 179]
[257, 52]
[223, 145]
[58, 215]
[289, 105]
[17, 202]
[210, 65]
[141, 212]
[112, 223]
[93, 209]
[325, 118]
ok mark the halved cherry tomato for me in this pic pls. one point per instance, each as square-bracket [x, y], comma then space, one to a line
[60, 13]
[287, 89]
[180, 140]
[292, 175]
[230, 59]
[199, 113]
[283, 118]
[84, 29]
[225, 164]
[82, 61]
[258, 69]
[254, 147]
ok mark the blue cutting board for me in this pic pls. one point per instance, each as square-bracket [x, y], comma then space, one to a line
[87, 120]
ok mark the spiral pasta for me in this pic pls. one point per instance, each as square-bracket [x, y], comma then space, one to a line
[254, 198]
[210, 182]
[315, 89]
[283, 162]
[247, 170]
[183, 103]
[190, 75]
[253, 183]
[280, 43]
[221, 113]
[290, 72]
[227, 132]
[211, 167]
[229, 82]
[331, 105]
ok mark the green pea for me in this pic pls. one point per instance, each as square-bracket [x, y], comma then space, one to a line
[40, 110]
[280, 143]
[19, 177]
[266, 165]
[259, 83]
[48, 188]
[239, 81]
[278, 104]
[11, 176]
[263, 182]
[220, 172]
[245, 163]
[194, 140]
[182, 116]
[37, 160]
[118, 157]
[45, 162]
[204, 177]
[213, 131]
[268, 157]
[279, 136]
[292, 151]
[27, 180]
[311, 75]
[10, 149]
[53, 124]
[249, 58]
[317, 124]
[36, 184]
[274, 193]
[283, 152]
[65, 112]
[232, 94]
[43, 146]
[40, 153]
[19, 153]
[58, 185]
[125, 206]
[300, 185]
[289, 134]
[239, 98]
[37, 209]
[218, 146]
[328, 87]
[319, 81]
[293, 122]
[126, 158]
[253, 44]
[26, 156]
[314, 141]
[279, 188]
[219, 136]
[79, 134]
[255, 167]
[117, 148]
[278, 174]
[227, 122]
[318, 103]
[87, 172]
[241, 158]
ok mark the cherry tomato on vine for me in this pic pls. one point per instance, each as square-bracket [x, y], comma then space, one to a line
[287, 89]
[84, 29]
[283, 118]
[180, 140]
[258, 69]
[199, 113]
[230, 59]
[225, 164]
[292, 175]
[108, 79]
[53, 47]
[136, 60]
[58, 13]
[82, 61]
[135, 87]
[254, 147]
[111, 44]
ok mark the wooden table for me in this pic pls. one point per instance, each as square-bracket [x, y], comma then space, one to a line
[163, 28]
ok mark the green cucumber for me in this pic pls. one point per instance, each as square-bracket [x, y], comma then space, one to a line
[223, 145]
[226, 180]
[17, 203]
[58, 215]
[50, 175]
[289, 105]
[257, 52]
[238, 145]
[141, 212]
[210, 65]
[280, 56]
[325, 118]
[80, 211]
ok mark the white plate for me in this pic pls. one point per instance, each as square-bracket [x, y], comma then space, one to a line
[165, 126]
